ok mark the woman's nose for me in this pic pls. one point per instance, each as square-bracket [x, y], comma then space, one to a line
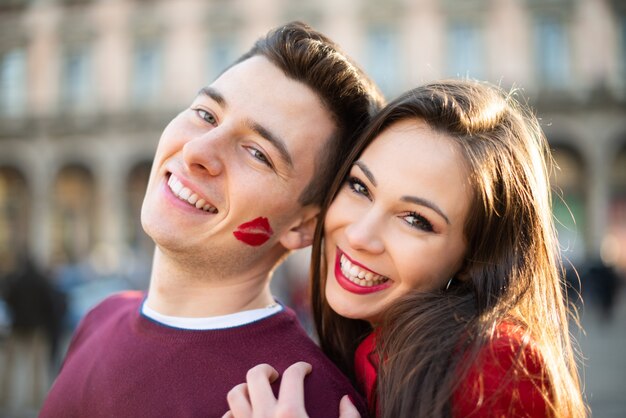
[364, 234]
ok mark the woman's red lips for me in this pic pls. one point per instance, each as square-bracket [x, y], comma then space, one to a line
[349, 285]
[255, 232]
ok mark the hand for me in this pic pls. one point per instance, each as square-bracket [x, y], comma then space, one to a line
[255, 399]
[347, 409]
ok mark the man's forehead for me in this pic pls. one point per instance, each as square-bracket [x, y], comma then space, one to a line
[283, 110]
[263, 85]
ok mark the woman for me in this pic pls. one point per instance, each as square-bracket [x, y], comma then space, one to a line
[437, 284]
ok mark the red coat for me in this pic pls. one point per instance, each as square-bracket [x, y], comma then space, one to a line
[491, 388]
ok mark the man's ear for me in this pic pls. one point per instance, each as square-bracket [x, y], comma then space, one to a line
[301, 233]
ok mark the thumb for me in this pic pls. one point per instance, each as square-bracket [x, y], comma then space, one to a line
[347, 408]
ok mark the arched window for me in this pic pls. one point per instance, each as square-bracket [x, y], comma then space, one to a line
[15, 204]
[73, 223]
[138, 258]
[136, 183]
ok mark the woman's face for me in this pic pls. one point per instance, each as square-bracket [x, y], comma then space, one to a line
[397, 223]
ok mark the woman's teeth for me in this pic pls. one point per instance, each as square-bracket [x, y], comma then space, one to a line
[358, 275]
[188, 195]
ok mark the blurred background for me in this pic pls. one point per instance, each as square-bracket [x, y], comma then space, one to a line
[87, 86]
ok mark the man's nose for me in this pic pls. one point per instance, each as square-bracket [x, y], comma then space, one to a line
[206, 152]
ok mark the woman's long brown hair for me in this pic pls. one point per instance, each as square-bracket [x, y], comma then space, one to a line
[512, 271]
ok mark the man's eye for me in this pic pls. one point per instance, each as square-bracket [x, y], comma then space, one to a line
[259, 156]
[209, 118]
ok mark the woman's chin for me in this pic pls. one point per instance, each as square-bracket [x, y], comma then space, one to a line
[348, 309]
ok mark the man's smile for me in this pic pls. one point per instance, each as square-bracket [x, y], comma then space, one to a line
[187, 195]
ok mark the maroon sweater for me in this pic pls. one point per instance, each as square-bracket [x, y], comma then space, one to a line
[122, 364]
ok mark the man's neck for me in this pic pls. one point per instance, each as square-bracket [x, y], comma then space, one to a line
[176, 290]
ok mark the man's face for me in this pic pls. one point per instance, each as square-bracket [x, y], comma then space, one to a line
[228, 171]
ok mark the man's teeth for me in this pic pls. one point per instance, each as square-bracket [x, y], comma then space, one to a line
[358, 275]
[189, 196]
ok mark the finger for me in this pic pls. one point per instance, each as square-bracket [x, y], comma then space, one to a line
[228, 414]
[347, 409]
[260, 392]
[239, 401]
[291, 394]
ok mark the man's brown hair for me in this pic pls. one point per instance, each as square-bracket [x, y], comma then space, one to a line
[308, 56]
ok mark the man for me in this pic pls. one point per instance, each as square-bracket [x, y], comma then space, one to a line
[236, 184]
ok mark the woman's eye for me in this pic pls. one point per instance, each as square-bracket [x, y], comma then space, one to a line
[416, 220]
[358, 187]
[259, 156]
[207, 117]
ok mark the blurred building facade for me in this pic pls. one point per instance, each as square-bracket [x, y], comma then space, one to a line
[87, 86]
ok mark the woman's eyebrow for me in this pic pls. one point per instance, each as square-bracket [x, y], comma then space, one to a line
[425, 202]
[410, 199]
[367, 172]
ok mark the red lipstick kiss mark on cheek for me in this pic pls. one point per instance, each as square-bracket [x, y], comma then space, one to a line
[255, 232]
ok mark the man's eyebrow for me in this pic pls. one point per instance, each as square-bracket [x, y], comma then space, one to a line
[367, 172]
[424, 202]
[213, 94]
[272, 138]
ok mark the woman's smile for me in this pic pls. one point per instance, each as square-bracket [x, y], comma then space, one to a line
[355, 278]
